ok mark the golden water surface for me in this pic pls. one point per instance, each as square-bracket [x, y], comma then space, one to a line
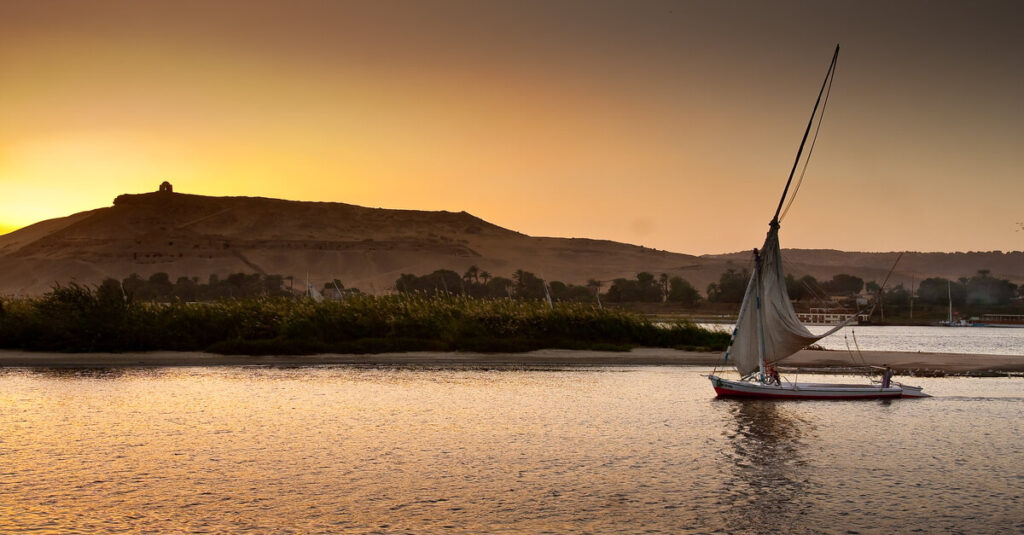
[623, 450]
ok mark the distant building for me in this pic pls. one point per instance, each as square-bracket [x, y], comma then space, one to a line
[166, 187]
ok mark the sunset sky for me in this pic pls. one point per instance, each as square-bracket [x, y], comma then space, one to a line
[666, 124]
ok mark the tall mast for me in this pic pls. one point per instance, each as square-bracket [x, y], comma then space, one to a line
[760, 317]
[799, 152]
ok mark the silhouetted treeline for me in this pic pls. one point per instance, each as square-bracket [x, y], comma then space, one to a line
[979, 290]
[645, 288]
[527, 285]
[158, 287]
[730, 287]
[334, 289]
[477, 283]
[807, 287]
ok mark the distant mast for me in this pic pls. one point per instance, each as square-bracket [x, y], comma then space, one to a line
[949, 294]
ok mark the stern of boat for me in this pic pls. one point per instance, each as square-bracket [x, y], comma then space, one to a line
[908, 391]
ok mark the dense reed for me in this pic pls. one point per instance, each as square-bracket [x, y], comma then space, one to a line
[76, 319]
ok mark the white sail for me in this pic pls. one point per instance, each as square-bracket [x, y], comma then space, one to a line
[311, 291]
[767, 329]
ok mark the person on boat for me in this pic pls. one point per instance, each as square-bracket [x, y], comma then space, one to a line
[773, 376]
[886, 376]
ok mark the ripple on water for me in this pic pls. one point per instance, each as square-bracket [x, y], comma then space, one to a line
[466, 451]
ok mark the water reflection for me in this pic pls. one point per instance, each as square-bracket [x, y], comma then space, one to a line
[84, 373]
[767, 482]
[329, 450]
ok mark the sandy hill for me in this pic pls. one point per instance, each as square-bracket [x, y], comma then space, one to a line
[368, 248]
[193, 235]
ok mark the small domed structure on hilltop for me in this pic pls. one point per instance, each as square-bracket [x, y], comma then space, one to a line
[166, 187]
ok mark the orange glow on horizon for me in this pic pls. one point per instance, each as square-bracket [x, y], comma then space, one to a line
[644, 122]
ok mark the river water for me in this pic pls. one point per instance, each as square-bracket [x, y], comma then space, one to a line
[612, 450]
[965, 340]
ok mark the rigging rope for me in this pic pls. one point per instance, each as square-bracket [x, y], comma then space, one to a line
[862, 361]
[775, 218]
[855, 344]
[818, 294]
[881, 288]
[810, 150]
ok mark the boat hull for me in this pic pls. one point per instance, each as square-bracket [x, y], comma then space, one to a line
[747, 389]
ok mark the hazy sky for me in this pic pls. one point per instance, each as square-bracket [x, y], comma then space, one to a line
[667, 124]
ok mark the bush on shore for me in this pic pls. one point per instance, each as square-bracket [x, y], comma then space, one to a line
[78, 319]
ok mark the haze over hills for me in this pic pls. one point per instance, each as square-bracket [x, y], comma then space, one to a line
[368, 248]
[912, 267]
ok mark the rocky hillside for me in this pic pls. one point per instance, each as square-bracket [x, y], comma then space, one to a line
[193, 235]
[368, 248]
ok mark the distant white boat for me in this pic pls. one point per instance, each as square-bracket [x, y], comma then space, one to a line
[828, 316]
[768, 330]
[1002, 320]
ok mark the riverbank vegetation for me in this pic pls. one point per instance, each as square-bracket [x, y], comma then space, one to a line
[79, 319]
[445, 311]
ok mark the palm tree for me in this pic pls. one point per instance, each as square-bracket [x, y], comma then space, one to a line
[473, 273]
[596, 285]
[485, 276]
[517, 279]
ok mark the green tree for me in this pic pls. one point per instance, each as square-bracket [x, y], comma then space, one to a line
[570, 292]
[274, 285]
[643, 289]
[983, 289]
[649, 289]
[843, 284]
[730, 287]
[527, 285]
[682, 292]
[472, 275]
[109, 291]
[132, 284]
[442, 281]
[185, 289]
[937, 291]
[499, 287]
[897, 297]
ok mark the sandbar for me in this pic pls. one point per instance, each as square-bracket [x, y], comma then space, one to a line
[808, 361]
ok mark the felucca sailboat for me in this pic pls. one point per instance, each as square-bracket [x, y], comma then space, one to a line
[768, 330]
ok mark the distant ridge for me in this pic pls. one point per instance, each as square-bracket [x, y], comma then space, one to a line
[196, 235]
[823, 263]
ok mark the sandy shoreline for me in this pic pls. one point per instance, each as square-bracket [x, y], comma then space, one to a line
[820, 361]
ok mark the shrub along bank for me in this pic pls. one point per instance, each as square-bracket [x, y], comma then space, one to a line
[78, 319]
